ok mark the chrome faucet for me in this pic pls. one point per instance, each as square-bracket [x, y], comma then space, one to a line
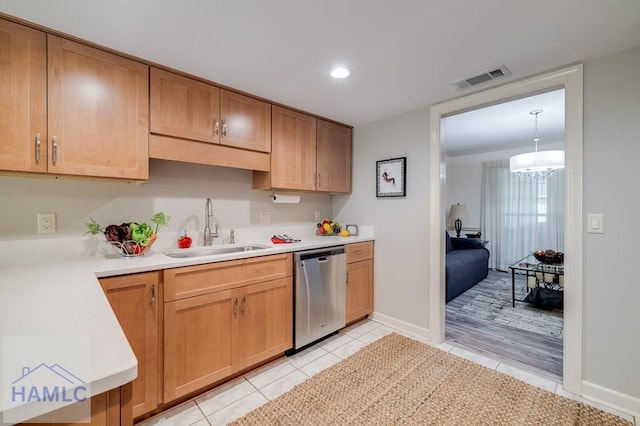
[208, 235]
[232, 236]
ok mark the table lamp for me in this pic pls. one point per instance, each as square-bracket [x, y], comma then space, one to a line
[458, 212]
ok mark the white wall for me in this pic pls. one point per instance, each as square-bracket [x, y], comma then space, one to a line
[400, 223]
[178, 189]
[611, 178]
[611, 186]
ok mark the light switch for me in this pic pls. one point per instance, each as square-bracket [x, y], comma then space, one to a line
[595, 223]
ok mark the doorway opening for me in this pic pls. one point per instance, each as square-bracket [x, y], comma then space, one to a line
[513, 317]
[571, 80]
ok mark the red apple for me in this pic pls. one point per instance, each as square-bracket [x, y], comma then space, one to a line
[184, 241]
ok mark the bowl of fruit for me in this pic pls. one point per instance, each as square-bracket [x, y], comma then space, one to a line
[549, 257]
[327, 228]
[130, 239]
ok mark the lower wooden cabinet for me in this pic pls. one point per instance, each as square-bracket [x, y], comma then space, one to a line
[111, 408]
[359, 281]
[135, 299]
[266, 321]
[197, 334]
[224, 317]
[215, 320]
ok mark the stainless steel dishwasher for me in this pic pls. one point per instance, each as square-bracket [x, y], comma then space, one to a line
[320, 294]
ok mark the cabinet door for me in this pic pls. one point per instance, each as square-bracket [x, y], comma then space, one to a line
[246, 122]
[266, 317]
[98, 112]
[183, 107]
[334, 157]
[197, 342]
[135, 301]
[293, 150]
[359, 290]
[23, 73]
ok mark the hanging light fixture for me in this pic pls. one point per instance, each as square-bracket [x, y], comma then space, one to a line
[542, 163]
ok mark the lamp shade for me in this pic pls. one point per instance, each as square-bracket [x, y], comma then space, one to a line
[458, 211]
[542, 161]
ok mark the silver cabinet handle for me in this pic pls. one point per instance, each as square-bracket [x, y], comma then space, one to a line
[54, 151]
[244, 304]
[319, 182]
[153, 295]
[347, 278]
[224, 127]
[235, 308]
[217, 127]
[38, 146]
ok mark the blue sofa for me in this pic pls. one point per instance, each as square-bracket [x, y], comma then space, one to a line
[466, 264]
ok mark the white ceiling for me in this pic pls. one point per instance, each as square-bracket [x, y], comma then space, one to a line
[403, 53]
[506, 125]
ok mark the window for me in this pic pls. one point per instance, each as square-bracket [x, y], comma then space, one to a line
[520, 214]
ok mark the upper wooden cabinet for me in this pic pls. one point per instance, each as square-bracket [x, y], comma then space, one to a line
[307, 154]
[98, 112]
[190, 109]
[334, 157]
[67, 108]
[23, 106]
[71, 109]
[293, 150]
[245, 122]
[183, 107]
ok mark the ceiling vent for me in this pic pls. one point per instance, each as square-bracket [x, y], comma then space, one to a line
[491, 74]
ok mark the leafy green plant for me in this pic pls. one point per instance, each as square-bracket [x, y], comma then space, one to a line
[128, 230]
[93, 228]
[160, 219]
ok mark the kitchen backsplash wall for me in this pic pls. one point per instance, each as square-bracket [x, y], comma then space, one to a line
[178, 189]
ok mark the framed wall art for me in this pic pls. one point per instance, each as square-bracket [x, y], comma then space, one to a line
[391, 177]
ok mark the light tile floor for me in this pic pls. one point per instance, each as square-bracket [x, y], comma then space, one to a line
[238, 397]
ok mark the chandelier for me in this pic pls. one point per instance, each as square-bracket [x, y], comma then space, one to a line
[542, 163]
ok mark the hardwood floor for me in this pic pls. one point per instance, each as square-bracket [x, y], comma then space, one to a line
[482, 320]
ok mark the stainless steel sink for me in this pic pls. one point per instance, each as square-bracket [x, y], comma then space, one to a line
[212, 251]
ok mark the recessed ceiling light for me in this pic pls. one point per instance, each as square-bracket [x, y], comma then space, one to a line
[340, 72]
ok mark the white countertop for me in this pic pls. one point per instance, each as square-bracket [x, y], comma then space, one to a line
[49, 288]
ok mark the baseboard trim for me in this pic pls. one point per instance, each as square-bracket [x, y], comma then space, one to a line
[411, 330]
[612, 398]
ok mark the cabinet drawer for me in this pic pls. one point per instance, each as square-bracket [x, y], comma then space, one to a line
[190, 281]
[359, 251]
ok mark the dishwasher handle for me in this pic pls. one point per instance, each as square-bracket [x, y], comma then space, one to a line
[319, 253]
[324, 259]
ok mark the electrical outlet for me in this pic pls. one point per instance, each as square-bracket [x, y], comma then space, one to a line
[316, 216]
[46, 223]
[265, 218]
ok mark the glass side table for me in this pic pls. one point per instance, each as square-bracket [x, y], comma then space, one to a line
[539, 275]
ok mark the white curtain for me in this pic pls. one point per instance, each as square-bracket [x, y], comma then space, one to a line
[520, 214]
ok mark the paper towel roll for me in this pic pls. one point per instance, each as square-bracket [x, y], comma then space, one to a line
[285, 198]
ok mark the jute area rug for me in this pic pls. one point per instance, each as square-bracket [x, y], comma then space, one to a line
[397, 380]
